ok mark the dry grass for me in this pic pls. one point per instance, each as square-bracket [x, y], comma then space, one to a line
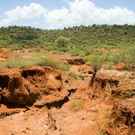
[103, 120]
[36, 58]
[76, 104]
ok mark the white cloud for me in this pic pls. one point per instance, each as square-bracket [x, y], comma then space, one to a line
[86, 13]
[78, 12]
[34, 10]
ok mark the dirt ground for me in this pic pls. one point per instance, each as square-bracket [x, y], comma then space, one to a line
[82, 101]
[59, 121]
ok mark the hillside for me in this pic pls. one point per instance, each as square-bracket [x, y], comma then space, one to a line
[82, 36]
[62, 82]
[96, 44]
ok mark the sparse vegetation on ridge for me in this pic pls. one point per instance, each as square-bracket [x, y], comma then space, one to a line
[37, 58]
[96, 44]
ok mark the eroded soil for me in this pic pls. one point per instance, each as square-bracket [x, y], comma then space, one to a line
[83, 101]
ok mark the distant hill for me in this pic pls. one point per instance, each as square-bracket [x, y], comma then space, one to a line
[82, 36]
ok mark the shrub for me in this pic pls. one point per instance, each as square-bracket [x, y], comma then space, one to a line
[62, 43]
[96, 60]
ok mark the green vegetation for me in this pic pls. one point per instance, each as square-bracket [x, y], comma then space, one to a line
[97, 44]
[38, 58]
[62, 43]
[19, 37]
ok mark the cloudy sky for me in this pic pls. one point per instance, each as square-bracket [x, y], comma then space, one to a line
[51, 14]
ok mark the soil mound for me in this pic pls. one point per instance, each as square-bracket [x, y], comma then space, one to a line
[25, 86]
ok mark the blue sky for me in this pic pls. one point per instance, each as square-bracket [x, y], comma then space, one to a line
[65, 13]
[9, 4]
[130, 4]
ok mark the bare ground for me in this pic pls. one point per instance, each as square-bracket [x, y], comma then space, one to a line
[83, 101]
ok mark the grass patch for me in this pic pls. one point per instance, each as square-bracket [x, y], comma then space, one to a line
[76, 104]
[76, 76]
[103, 120]
[36, 59]
[111, 58]
[54, 64]
[16, 63]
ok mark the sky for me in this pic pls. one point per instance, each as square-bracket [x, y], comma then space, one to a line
[57, 14]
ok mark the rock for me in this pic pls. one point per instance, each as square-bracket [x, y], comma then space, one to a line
[14, 89]
[111, 74]
[36, 70]
[118, 83]
[53, 100]
[123, 117]
[111, 77]
[76, 61]
[120, 66]
[24, 86]
[18, 92]
[54, 81]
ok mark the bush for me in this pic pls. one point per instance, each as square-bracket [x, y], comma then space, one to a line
[62, 43]
[96, 60]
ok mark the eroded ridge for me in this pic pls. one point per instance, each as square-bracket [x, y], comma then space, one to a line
[57, 101]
